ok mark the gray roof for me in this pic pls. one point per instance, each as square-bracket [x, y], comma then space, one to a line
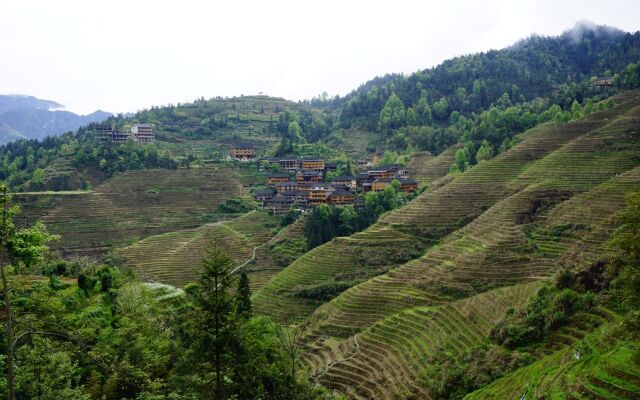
[264, 191]
[279, 199]
[341, 192]
[243, 145]
[288, 183]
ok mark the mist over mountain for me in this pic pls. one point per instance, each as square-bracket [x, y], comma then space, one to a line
[27, 117]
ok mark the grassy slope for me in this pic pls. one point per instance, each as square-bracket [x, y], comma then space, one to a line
[287, 245]
[132, 206]
[493, 228]
[605, 369]
[426, 169]
[452, 204]
[175, 257]
[353, 259]
[387, 360]
[255, 112]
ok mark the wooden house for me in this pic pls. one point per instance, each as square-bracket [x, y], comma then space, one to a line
[388, 171]
[142, 133]
[120, 137]
[275, 178]
[278, 204]
[342, 198]
[379, 185]
[308, 175]
[264, 194]
[604, 81]
[349, 181]
[289, 164]
[315, 164]
[286, 186]
[242, 152]
[408, 185]
[299, 196]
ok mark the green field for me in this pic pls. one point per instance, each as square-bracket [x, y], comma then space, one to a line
[132, 206]
[175, 257]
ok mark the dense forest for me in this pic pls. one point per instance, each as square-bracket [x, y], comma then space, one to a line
[493, 96]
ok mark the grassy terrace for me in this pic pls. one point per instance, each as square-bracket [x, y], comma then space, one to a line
[438, 212]
[426, 169]
[344, 260]
[348, 259]
[132, 206]
[505, 222]
[287, 245]
[175, 257]
[604, 370]
[496, 248]
[385, 360]
[248, 117]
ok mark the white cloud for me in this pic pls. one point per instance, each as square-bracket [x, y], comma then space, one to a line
[126, 55]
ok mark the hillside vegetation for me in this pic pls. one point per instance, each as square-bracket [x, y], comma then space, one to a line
[511, 273]
[175, 257]
[548, 202]
[132, 206]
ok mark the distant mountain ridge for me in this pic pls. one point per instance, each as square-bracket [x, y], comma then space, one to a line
[27, 117]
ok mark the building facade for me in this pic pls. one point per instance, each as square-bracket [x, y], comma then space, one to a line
[142, 133]
[242, 152]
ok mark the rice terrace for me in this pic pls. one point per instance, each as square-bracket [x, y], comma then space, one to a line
[469, 230]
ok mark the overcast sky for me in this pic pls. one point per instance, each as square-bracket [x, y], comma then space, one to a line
[125, 55]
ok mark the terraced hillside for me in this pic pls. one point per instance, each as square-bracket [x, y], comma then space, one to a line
[287, 245]
[385, 360]
[133, 206]
[339, 264]
[594, 148]
[425, 168]
[590, 366]
[175, 257]
[508, 221]
[189, 129]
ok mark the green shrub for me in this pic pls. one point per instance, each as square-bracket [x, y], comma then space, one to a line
[235, 205]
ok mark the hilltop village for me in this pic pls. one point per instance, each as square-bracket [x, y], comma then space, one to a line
[302, 183]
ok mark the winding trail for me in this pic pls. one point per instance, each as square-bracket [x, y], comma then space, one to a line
[331, 364]
[253, 256]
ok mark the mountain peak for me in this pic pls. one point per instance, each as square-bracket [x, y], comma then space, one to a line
[584, 28]
[18, 101]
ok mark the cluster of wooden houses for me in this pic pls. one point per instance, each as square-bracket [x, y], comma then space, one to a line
[302, 183]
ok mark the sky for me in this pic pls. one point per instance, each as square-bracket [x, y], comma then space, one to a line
[126, 55]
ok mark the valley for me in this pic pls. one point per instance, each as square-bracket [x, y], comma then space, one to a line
[468, 231]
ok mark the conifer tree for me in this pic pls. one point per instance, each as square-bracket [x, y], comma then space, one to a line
[217, 306]
[243, 297]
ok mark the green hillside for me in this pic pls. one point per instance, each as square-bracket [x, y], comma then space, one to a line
[132, 206]
[175, 257]
[548, 202]
[513, 272]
